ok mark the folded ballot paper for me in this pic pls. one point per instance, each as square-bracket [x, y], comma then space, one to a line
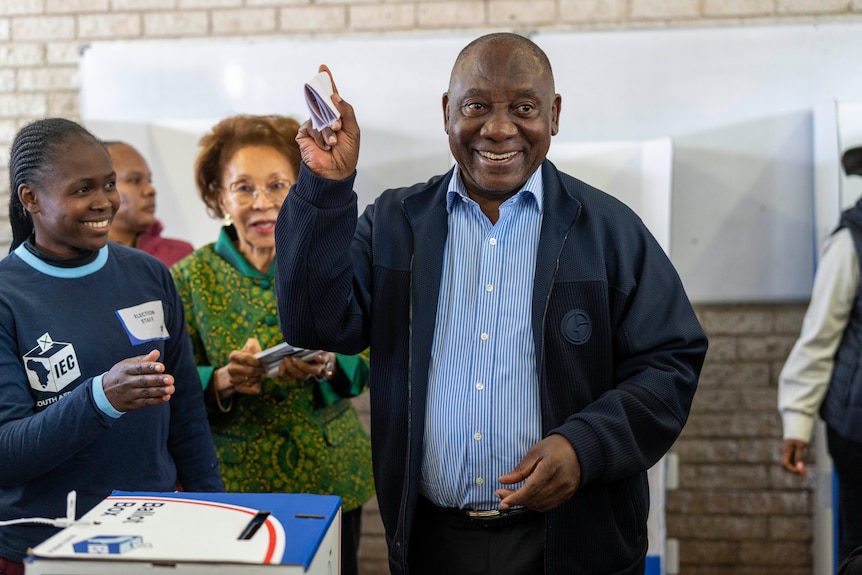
[132, 533]
[272, 356]
[318, 96]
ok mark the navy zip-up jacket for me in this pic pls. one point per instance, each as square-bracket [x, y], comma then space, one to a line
[618, 345]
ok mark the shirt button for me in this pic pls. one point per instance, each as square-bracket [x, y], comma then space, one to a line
[265, 284]
[271, 320]
[484, 337]
[477, 436]
[493, 241]
[480, 386]
[480, 481]
[489, 287]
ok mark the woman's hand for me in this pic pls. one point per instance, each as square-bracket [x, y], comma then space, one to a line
[138, 382]
[321, 366]
[242, 374]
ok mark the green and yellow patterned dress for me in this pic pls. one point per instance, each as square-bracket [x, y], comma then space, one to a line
[297, 436]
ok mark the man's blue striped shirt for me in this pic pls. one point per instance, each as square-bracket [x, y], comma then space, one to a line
[483, 411]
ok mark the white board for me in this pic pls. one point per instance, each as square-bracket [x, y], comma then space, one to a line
[745, 238]
[638, 173]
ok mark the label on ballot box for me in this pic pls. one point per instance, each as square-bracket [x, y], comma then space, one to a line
[197, 533]
[107, 545]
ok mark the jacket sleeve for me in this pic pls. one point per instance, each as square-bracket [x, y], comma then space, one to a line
[32, 444]
[354, 382]
[806, 374]
[321, 282]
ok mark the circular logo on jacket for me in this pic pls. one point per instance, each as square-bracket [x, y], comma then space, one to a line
[577, 327]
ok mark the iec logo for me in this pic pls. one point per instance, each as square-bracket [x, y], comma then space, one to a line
[51, 366]
[108, 544]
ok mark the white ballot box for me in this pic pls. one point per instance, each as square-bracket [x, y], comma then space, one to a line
[184, 533]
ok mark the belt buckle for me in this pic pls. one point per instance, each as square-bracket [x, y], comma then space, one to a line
[489, 514]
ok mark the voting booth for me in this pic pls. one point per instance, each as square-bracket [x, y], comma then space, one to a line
[197, 533]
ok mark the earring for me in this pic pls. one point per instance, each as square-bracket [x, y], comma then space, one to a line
[226, 220]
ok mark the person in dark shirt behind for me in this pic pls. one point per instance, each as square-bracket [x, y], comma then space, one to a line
[135, 223]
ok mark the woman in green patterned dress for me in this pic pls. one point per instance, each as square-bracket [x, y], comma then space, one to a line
[297, 431]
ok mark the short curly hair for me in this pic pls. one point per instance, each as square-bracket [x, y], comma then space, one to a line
[233, 133]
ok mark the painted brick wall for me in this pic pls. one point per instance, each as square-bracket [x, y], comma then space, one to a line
[735, 511]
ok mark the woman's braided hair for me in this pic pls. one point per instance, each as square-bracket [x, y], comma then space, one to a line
[29, 160]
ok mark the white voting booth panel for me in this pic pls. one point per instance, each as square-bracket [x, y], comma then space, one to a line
[197, 534]
[639, 174]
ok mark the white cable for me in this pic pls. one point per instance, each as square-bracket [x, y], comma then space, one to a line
[69, 519]
[71, 500]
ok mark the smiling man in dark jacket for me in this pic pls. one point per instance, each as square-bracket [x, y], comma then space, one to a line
[533, 351]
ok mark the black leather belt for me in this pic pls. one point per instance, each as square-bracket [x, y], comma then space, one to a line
[491, 518]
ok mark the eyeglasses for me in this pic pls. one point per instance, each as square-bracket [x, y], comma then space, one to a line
[246, 192]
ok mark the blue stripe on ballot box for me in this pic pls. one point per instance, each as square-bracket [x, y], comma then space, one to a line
[653, 565]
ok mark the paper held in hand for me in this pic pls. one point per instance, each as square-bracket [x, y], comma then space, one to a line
[271, 357]
[318, 96]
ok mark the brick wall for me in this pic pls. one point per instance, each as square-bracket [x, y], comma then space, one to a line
[735, 511]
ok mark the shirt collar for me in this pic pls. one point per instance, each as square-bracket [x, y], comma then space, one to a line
[533, 186]
[226, 248]
[81, 259]
[47, 268]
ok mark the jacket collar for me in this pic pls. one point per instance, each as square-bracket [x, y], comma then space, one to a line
[561, 210]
